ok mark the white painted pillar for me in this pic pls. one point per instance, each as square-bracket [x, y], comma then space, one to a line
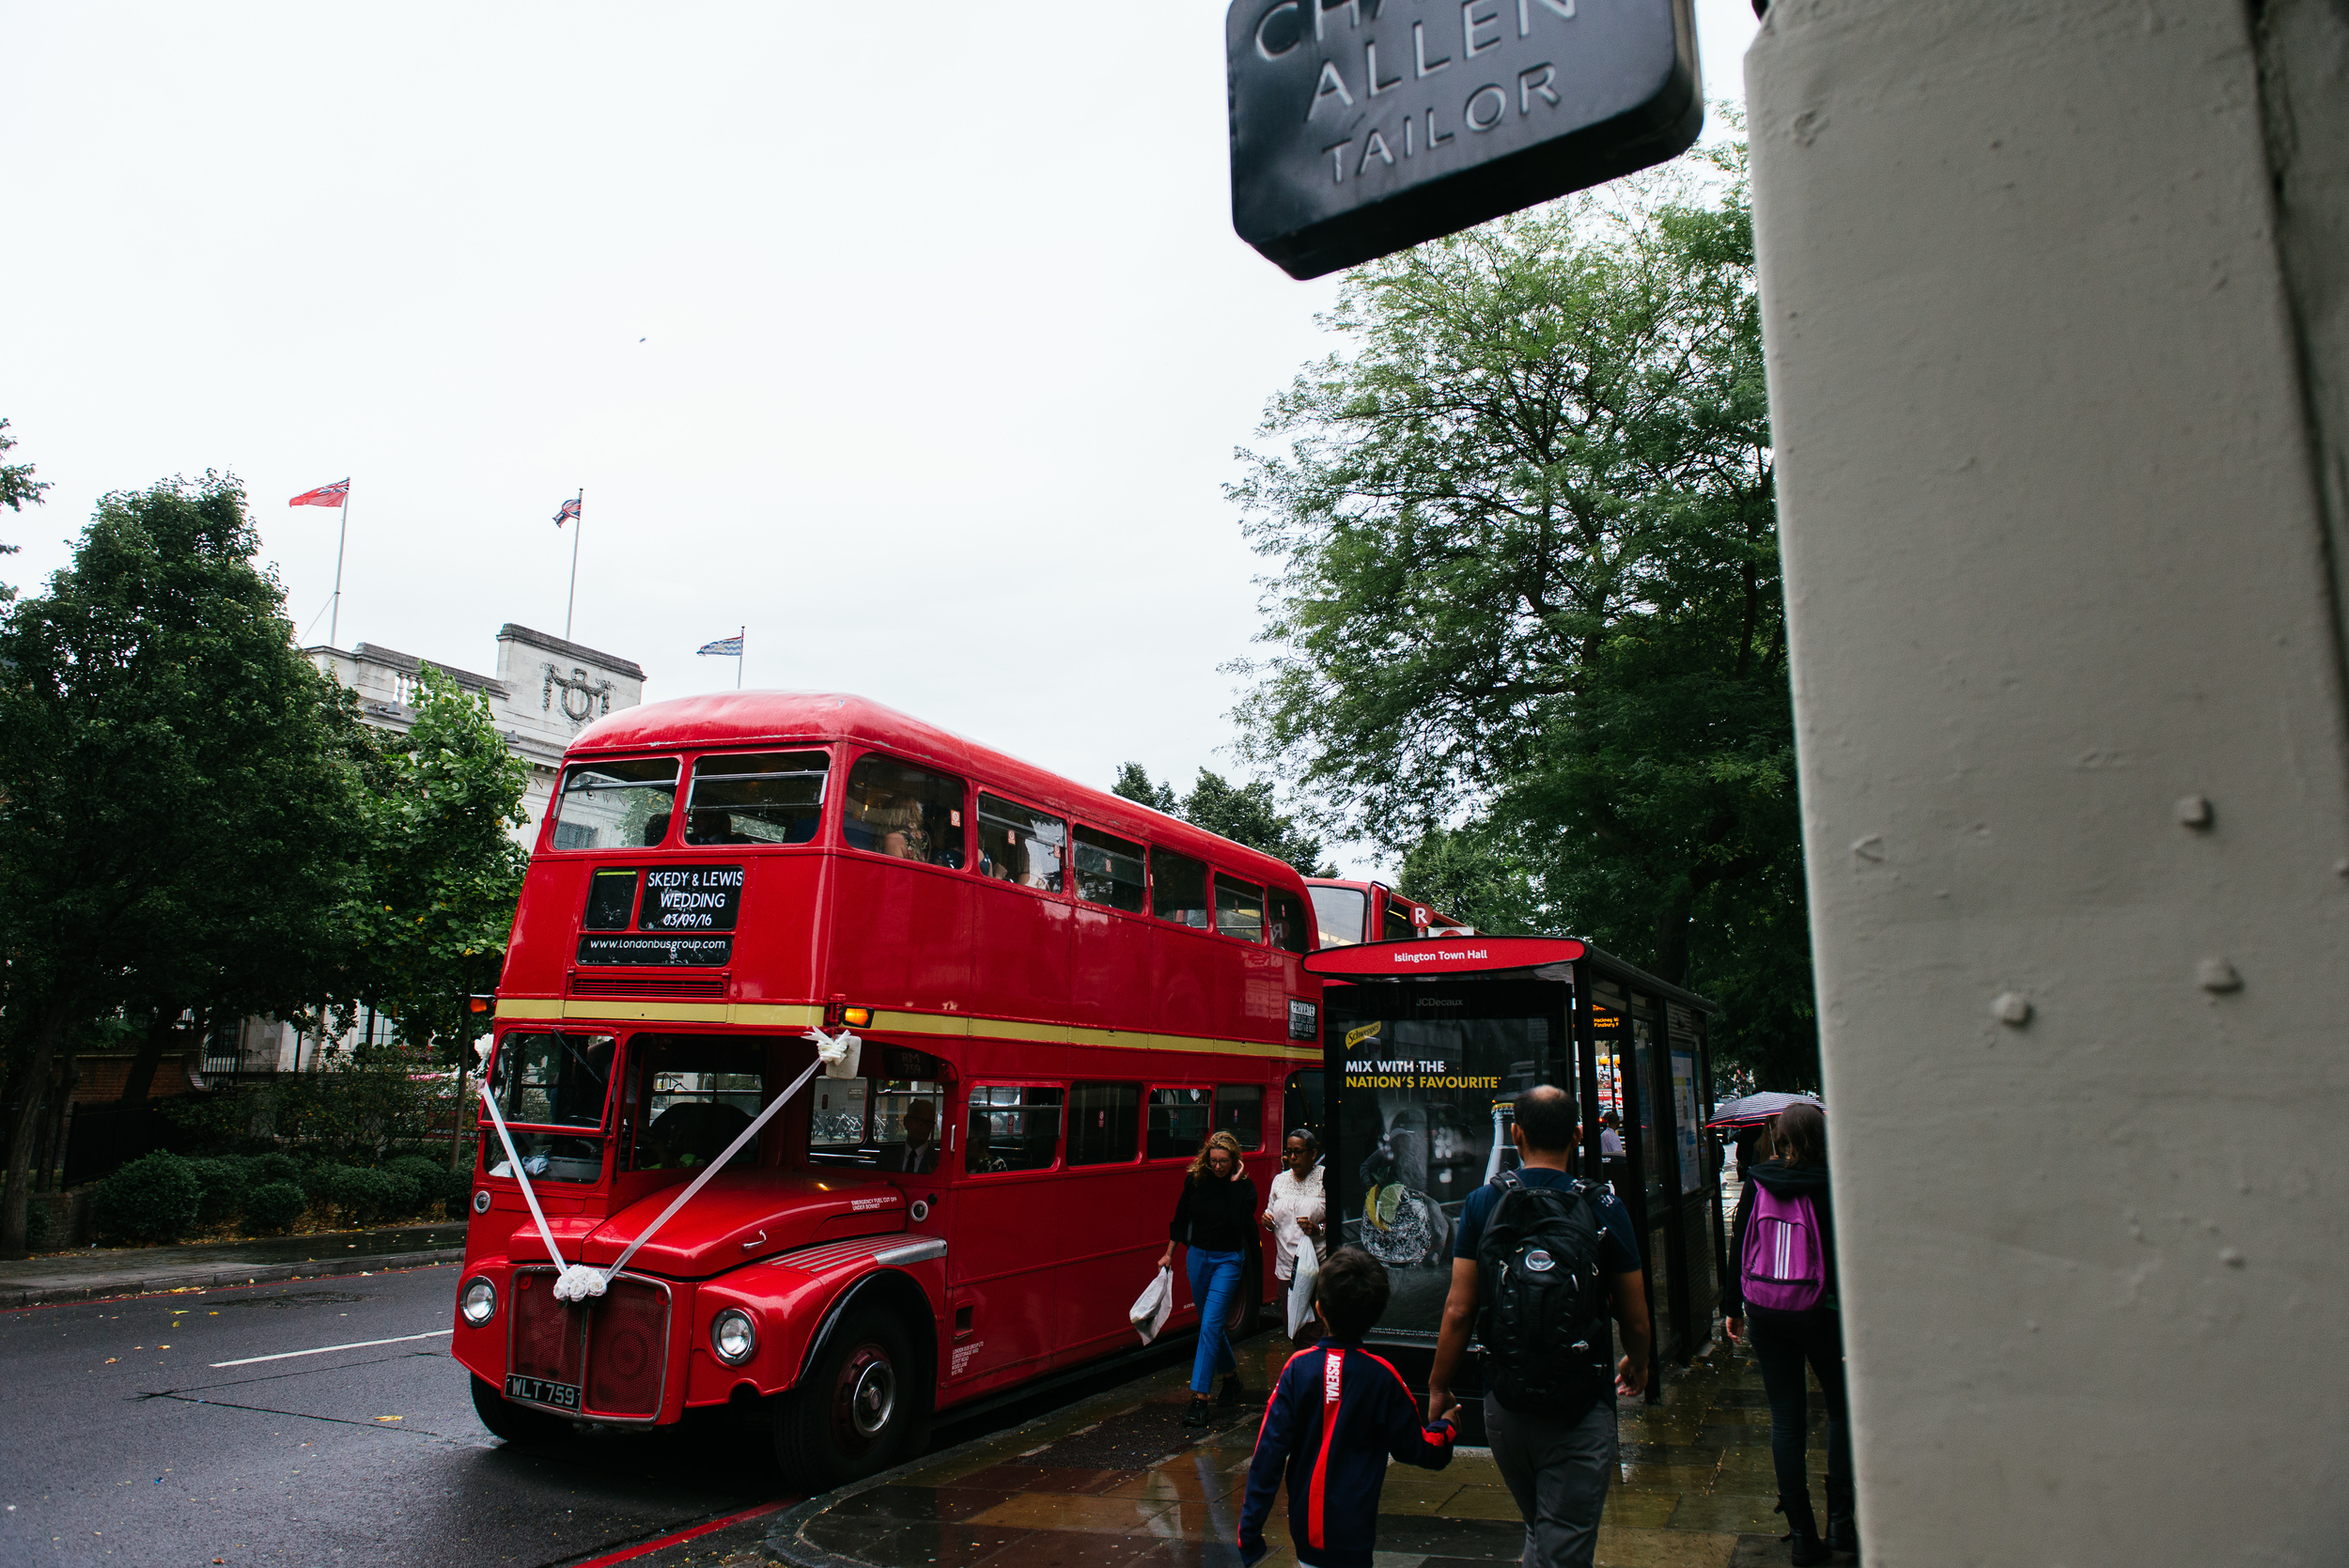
[2058, 423]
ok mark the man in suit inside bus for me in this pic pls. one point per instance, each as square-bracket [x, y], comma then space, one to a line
[918, 1154]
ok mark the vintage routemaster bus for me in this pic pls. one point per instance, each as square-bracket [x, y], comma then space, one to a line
[1057, 995]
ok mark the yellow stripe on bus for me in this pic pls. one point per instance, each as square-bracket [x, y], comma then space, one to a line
[802, 1016]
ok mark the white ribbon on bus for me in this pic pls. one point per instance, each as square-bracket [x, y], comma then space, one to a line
[578, 1281]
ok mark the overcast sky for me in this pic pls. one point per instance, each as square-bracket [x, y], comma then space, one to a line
[913, 337]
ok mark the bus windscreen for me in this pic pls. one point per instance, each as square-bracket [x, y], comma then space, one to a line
[1340, 912]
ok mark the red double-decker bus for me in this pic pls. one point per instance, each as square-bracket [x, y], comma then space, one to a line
[1057, 995]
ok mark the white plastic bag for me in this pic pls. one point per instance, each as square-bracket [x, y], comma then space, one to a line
[1306, 1270]
[1151, 1308]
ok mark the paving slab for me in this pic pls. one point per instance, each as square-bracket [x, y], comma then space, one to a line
[1118, 1482]
[93, 1274]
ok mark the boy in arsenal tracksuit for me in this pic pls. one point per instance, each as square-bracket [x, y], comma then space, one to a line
[1338, 1413]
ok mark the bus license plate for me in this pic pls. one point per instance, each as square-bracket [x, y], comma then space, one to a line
[563, 1396]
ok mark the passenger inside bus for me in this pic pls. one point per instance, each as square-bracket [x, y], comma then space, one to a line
[879, 1124]
[903, 810]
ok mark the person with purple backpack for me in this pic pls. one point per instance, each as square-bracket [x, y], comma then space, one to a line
[1781, 1300]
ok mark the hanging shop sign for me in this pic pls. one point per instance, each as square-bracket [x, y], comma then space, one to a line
[1360, 127]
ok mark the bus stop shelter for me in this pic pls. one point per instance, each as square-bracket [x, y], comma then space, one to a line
[1426, 1043]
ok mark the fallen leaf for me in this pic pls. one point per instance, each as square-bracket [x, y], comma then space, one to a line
[387, 1417]
[111, 1359]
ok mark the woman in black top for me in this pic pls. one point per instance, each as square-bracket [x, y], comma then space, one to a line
[1783, 1342]
[1214, 1217]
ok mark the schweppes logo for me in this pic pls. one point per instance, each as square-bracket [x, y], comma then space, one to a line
[1368, 1031]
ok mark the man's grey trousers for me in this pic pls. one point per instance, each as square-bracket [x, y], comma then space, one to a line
[1558, 1471]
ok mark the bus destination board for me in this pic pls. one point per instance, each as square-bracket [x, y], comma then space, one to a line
[1360, 127]
[691, 898]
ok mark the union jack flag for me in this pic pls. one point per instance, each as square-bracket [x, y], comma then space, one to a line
[325, 495]
[724, 647]
[569, 514]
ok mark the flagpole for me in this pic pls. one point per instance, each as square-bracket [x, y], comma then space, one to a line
[334, 620]
[740, 654]
[579, 518]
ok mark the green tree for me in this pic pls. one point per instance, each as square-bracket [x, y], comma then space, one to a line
[176, 789]
[1245, 813]
[1526, 624]
[17, 486]
[443, 878]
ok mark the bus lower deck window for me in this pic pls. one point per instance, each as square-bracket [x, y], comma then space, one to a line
[1013, 1128]
[1180, 1120]
[1104, 1122]
[1239, 1110]
[1289, 932]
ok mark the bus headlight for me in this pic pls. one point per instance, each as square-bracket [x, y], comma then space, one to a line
[477, 1301]
[733, 1336]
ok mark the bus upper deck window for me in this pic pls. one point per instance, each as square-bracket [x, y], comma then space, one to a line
[615, 805]
[894, 808]
[1109, 870]
[1289, 921]
[1340, 912]
[1238, 908]
[1017, 843]
[1178, 889]
[763, 798]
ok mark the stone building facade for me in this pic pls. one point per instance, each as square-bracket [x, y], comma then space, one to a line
[546, 691]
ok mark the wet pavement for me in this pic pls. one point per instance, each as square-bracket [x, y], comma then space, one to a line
[96, 1272]
[1116, 1481]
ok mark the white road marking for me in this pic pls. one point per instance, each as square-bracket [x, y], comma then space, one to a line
[355, 1344]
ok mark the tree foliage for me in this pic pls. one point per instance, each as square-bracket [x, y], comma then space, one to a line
[442, 877]
[1245, 813]
[1525, 624]
[17, 486]
[176, 789]
[192, 817]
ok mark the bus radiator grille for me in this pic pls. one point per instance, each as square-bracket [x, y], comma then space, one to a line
[546, 1342]
[709, 987]
[628, 1339]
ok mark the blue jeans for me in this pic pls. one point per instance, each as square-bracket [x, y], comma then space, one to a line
[1214, 1280]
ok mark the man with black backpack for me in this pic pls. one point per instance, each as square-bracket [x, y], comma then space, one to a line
[1539, 1263]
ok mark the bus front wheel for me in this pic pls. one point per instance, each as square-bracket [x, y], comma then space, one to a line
[857, 1412]
[517, 1424]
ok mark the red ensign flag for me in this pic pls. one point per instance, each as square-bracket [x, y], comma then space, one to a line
[325, 495]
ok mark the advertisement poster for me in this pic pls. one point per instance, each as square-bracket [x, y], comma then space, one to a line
[1686, 1117]
[1423, 1121]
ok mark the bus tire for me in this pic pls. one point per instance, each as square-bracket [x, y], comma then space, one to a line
[857, 1409]
[517, 1424]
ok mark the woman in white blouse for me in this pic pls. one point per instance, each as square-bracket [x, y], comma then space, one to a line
[1296, 1210]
